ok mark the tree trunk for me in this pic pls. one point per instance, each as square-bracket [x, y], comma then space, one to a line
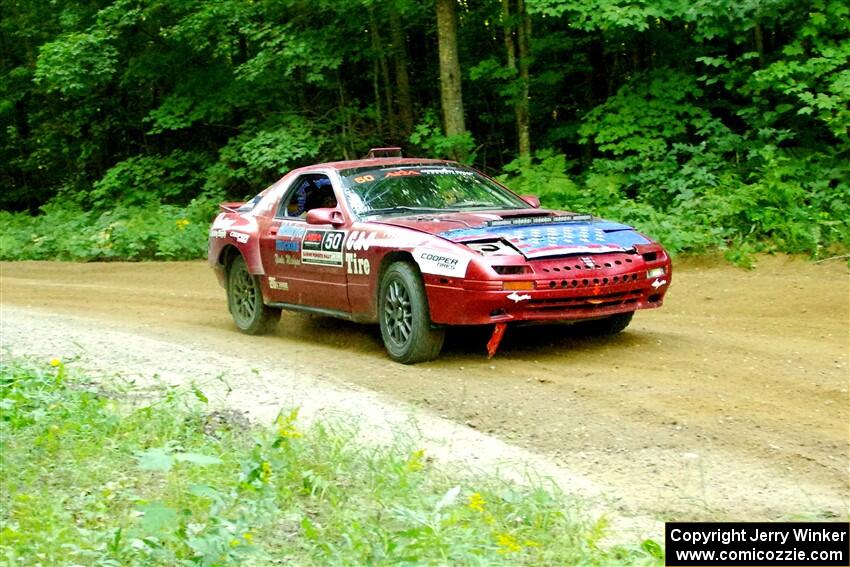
[344, 116]
[523, 31]
[450, 93]
[522, 104]
[759, 38]
[508, 30]
[380, 55]
[376, 80]
[402, 80]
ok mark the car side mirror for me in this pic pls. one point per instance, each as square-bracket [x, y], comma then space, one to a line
[325, 216]
[532, 200]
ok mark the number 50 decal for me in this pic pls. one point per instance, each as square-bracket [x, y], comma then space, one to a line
[322, 247]
[333, 241]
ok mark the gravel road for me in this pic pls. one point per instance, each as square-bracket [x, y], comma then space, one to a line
[730, 402]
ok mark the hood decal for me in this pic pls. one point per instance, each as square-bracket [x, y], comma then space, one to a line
[551, 239]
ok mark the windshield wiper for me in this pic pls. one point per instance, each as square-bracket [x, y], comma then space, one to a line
[405, 209]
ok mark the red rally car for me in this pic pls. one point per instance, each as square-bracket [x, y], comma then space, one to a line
[419, 244]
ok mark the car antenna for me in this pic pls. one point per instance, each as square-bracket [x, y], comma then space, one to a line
[392, 151]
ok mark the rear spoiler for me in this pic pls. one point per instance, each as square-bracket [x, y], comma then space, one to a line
[230, 207]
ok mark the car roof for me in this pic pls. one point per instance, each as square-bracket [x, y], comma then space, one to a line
[382, 162]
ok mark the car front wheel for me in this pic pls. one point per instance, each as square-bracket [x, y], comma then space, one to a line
[406, 328]
[245, 301]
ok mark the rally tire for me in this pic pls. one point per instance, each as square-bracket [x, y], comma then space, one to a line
[245, 301]
[406, 328]
[607, 326]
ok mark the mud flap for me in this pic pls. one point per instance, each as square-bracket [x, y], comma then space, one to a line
[496, 339]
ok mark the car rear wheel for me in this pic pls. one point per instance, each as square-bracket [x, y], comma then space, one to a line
[245, 301]
[608, 325]
[406, 328]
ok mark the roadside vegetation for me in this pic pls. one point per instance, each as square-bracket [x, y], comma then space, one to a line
[711, 126]
[105, 474]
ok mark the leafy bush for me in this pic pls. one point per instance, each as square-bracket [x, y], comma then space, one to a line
[162, 232]
[781, 205]
[429, 136]
[76, 63]
[92, 478]
[149, 180]
[264, 151]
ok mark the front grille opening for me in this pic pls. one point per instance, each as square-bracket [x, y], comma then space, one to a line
[510, 270]
[654, 298]
[497, 312]
[591, 302]
[650, 256]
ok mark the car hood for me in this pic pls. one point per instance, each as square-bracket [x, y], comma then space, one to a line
[535, 233]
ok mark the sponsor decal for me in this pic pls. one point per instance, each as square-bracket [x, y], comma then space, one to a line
[240, 237]
[364, 178]
[360, 240]
[658, 283]
[291, 230]
[287, 259]
[402, 173]
[440, 263]
[539, 220]
[287, 245]
[322, 247]
[446, 171]
[275, 283]
[496, 248]
[588, 263]
[516, 298]
[218, 233]
[357, 266]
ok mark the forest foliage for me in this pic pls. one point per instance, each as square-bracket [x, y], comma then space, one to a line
[709, 124]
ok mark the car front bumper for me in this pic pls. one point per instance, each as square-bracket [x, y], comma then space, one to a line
[562, 298]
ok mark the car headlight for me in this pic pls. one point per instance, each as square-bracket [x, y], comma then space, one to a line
[655, 272]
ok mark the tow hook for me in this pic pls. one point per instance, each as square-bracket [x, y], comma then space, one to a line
[496, 339]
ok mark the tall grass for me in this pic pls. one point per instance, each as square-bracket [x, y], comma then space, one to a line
[93, 476]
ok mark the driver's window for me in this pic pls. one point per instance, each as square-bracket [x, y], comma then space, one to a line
[311, 191]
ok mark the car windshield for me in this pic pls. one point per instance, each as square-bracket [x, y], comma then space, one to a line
[425, 188]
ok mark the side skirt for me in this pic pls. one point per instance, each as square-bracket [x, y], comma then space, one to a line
[357, 318]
